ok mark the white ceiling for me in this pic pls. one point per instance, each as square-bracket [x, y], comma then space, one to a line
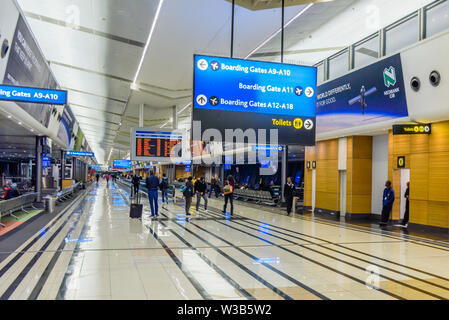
[98, 60]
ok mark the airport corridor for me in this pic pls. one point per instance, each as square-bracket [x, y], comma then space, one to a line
[93, 250]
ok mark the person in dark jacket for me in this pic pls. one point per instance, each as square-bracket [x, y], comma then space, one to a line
[188, 195]
[407, 206]
[164, 188]
[136, 184]
[200, 191]
[12, 192]
[214, 187]
[388, 201]
[152, 184]
[289, 190]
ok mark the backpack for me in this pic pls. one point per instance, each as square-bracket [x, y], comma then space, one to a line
[182, 189]
[188, 192]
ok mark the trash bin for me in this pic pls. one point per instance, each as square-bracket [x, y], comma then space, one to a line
[50, 204]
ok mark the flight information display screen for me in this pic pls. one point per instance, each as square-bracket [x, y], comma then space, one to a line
[153, 145]
[245, 94]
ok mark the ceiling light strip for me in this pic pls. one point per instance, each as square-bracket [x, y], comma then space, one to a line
[158, 11]
[278, 31]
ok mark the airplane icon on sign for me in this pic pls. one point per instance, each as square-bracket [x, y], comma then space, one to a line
[215, 65]
[213, 101]
[299, 91]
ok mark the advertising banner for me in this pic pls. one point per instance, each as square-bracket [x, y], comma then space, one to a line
[244, 94]
[27, 68]
[66, 126]
[373, 94]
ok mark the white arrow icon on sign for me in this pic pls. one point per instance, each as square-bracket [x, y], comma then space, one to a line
[310, 92]
[203, 65]
[308, 124]
[201, 100]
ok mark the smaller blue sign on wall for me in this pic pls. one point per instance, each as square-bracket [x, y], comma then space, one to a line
[33, 95]
[80, 154]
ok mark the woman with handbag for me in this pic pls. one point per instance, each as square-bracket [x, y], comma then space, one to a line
[228, 191]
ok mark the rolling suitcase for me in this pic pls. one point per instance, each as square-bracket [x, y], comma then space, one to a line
[136, 208]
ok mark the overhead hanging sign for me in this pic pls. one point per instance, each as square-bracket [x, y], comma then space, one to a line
[80, 154]
[244, 94]
[402, 129]
[149, 144]
[121, 164]
[33, 95]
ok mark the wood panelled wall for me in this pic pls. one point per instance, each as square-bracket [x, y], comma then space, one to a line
[359, 167]
[359, 175]
[325, 153]
[427, 157]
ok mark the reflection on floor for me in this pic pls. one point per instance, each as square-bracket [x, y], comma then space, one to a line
[94, 251]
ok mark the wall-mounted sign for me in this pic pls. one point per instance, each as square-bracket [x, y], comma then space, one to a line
[412, 129]
[121, 164]
[401, 162]
[33, 95]
[314, 165]
[372, 94]
[244, 94]
[148, 144]
[308, 164]
[80, 154]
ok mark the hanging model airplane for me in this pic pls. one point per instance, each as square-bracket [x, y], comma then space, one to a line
[362, 98]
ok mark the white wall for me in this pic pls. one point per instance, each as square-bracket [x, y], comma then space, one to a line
[380, 171]
[342, 154]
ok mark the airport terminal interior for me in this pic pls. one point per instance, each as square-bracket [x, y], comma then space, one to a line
[224, 150]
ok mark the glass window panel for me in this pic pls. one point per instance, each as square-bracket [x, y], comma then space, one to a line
[437, 19]
[339, 65]
[403, 35]
[366, 52]
[320, 72]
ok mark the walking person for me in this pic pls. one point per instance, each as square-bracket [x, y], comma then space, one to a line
[228, 191]
[136, 184]
[388, 201]
[407, 207]
[97, 177]
[289, 190]
[188, 194]
[200, 191]
[107, 180]
[164, 188]
[152, 184]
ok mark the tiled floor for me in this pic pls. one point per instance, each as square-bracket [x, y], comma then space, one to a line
[94, 251]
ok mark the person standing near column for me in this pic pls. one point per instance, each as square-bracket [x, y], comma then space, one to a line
[152, 183]
[407, 206]
[288, 195]
[388, 201]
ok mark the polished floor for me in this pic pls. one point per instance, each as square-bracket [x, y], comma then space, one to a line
[92, 250]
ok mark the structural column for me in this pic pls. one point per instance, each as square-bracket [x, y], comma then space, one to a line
[62, 175]
[284, 171]
[38, 177]
[141, 115]
[175, 117]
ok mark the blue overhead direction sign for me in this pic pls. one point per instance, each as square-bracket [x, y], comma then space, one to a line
[33, 95]
[80, 154]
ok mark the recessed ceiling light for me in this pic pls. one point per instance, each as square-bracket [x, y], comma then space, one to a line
[9, 117]
[20, 122]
